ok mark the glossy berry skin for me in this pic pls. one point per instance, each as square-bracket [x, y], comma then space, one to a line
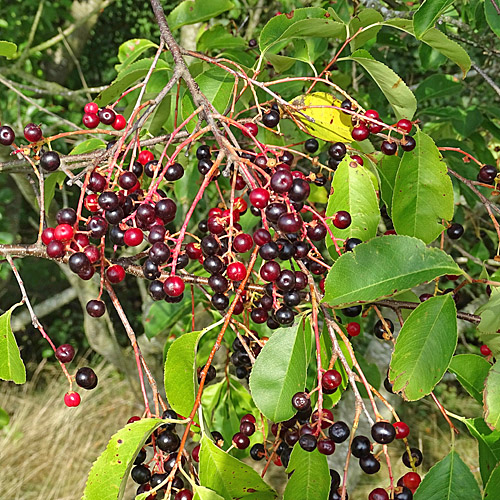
[91, 107]
[241, 441]
[389, 148]
[120, 123]
[379, 328]
[270, 271]
[281, 181]
[341, 219]
[50, 161]
[72, 399]
[141, 474]
[404, 494]
[86, 378]
[360, 133]
[353, 329]
[247, 428]
[308, 442]
[360, 446]
[352, 311]
[487, 174]
[326, 446]
[95, 308]
[7, 135]
[369, 464]
[405, 125]
[90, 120]
[106, 115]
[337, 150]
[78, 262]
[242, 243]
[174, 172]
[417, 456]
[236, 271]
[271, 119]
[290, 223]
[351, 243]
[115, 274]
[331, 380]
[168, 441]
[339, 432]
[133, 237]
[411, 480]
[402, 430]
[301, 401]
[250, 129]
[173, 286]
[378, 494]
[383, 432]
[485, 350]
[408, 143]
[261, 236]
[65, 353]
[55, 249]
[257, 451]
[455, 231]
[97, 182]
[32, 132]
[183, 495]
[311, 145]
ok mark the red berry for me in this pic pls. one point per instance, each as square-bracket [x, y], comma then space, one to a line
[250, 129]
[241, 441]
[341, 219]
[65, 353]
[248, 418]
[72, 399]
[378, 494]
[184, 495]
[145, 156]
[360, 133]
[236, 271]
[196, 453]
[79, 241]
[411, 480]
[353, 329]
[133, 419]
[371, 113]
[55, 249]
[243, 243]
[48, 235]
[32, 132]
[326, 446]
[92, 253]
[173, 286]
[357, 159]
[91, 107]
[331, 380]
[120, 123]
[115, 273]
[90, 203]
[133, 237]
[485, 350]
[259, 197]
[63, 232]
[405, 125]
[326, 419]
[193, 251]
[402, 430]
[240, 205]
[90, 120]
[375, 128]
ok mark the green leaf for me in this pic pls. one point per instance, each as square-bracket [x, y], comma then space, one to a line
[197, 11]
[387, 169]
[471, 371]
[279, 372]
[163, 316]
[217, 85]
[7, 49]
[490, 322]
[493, 486]
[492, 17]
[365, 18]
[396, 91]
[88, 146]
[492, 397]
[11, 365]
[424, 347]
[383, 267]
[229, 477]
[437, 40]
[310, 479]
[202, 493]
[449, 479]
[127, 78]
[423, 192]
[50, 187]
[488, 443]
[301, 23]
[219, 37]
[4, 418]
[437, 86]
[130, 50]
[354, 192]
[109, 474]
[180, 373]
[427, 15]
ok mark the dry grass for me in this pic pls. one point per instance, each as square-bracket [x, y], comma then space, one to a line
[48, 449]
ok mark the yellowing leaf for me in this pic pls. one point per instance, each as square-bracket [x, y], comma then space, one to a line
[326, 122]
